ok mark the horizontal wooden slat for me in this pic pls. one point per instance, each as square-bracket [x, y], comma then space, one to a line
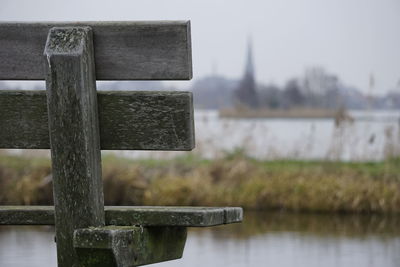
[172, 216]
[123, 50]
[137, 120]
[26, 215]
[129, 216]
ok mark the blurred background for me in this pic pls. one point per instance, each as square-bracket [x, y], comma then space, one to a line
[297, 116]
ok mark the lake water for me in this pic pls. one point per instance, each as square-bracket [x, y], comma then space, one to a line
[263, 239]
[372, 136]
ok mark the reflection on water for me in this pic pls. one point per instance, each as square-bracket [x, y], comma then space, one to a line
[263, 239]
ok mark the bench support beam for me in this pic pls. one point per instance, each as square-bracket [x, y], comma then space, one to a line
[74, 136]
[127, 246]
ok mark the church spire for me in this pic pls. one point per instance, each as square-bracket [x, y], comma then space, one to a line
[249, 61]
[246, 94]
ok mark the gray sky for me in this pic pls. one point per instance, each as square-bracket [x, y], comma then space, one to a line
[350, 38]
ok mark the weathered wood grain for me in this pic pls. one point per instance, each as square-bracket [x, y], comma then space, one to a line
[128, 216]
[26, 215]
[128, 246]
[136, 120]
[147, 121]
[74, 136]
[24, 120]
[176, 216]
[123, 50]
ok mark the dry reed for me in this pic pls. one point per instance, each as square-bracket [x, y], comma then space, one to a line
[234, 180]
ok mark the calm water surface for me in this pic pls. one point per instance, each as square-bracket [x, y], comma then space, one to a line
[264, 239]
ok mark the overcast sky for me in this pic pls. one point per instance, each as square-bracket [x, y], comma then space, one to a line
[349, 38]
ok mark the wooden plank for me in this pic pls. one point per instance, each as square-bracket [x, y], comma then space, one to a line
[128, 216]
[172, 216]
[26, 215]
[24, 120]
[136, 120]
[127, 246]
[123, 50]
[74, 136]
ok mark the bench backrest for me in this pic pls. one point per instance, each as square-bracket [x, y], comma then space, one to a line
[122, 50]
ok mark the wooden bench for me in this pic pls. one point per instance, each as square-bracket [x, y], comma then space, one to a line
[76, 122]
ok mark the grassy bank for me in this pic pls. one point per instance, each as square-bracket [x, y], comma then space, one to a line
[234, 180]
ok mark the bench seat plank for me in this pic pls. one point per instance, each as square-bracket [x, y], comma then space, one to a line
[123, 50]
[129, 216]
[129, 120]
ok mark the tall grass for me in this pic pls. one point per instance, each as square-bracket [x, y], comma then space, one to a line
[233, 180]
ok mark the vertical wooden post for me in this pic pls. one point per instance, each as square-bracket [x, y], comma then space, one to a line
[74, 136]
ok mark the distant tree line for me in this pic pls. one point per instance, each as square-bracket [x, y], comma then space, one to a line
[316, 89]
